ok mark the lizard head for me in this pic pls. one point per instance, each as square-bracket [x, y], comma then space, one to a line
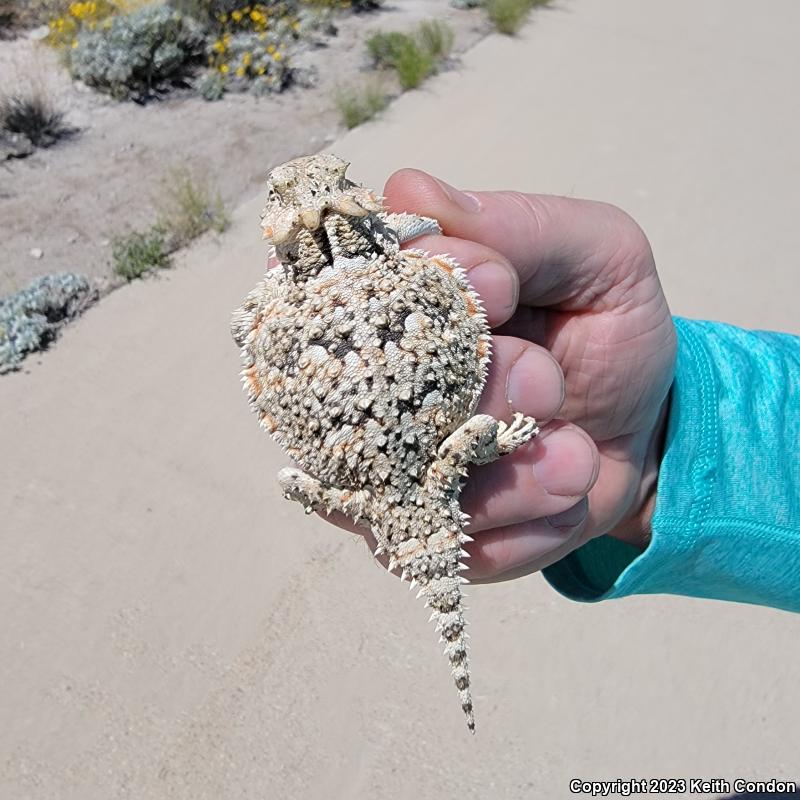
[301, 191]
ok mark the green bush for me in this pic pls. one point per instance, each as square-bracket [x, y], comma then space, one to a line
[358, 104]
[509, 16]
[413, 65]
[137, 54]
[413, 56]
[385, 46]
[138, 252]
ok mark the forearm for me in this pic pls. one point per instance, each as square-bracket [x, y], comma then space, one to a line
[726, 512]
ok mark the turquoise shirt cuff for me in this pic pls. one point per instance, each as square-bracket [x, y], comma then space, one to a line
[727, 517]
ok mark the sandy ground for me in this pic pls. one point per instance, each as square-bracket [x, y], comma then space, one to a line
[70, 200]
[173, 629]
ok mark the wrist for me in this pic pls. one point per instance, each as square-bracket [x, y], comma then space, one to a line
[636, 529]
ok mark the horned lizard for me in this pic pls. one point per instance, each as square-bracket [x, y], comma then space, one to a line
[365, 362]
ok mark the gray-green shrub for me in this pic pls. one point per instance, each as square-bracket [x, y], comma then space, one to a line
[135, 55]
[31, 318]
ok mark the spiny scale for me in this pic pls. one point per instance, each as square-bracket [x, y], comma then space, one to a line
[365, 362]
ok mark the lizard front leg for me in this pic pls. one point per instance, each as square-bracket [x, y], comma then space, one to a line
[482, 439]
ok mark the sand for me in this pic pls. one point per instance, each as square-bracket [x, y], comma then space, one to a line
[173, 629]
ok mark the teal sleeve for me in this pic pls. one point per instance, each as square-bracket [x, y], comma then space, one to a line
[727, 516]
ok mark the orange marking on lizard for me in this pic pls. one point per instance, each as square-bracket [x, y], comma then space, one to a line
[443, 265]
[268, 421]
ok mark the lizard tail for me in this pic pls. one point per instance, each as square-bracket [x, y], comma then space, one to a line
[445, 598]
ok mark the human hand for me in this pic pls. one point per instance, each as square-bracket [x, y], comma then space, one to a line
[583, 341]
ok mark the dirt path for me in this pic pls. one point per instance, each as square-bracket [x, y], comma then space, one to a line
[70, 200]
[172, 628]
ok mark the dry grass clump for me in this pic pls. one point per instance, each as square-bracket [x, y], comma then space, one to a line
[189, 208]
[34, 117]
[357, 104]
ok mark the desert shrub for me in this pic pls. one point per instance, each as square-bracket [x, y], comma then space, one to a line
[34, 117]
[356, 105]
[206, 12]
[413, 56]
[250, 60]
[189, 208]
[508, 16]
[31, 318]
[16, 15]
[356, 5]
[211, 85]
[249, 49]
[76, 17]
[9, 19]
[67, 18]
[219, 16]
[138, 252]
[137, 54]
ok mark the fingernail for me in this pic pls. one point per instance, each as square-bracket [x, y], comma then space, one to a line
[464, 200]
[495, 283]
[530, 376]
[564, 463]
[570, 518]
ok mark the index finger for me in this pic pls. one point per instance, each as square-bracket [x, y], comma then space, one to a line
[567, 252]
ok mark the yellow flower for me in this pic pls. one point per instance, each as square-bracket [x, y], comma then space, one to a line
[270, 48]
[246, 59]
[240, 72]
[218, 46]
[237, 16]
[223, 68]
[277, 56]
[261, 70]
[223, 17]
[74, 44]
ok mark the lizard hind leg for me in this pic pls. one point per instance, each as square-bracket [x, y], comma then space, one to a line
[312, 494]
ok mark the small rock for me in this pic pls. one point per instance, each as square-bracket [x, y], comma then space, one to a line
[37, 34]
[37, 252]
[72, 238]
